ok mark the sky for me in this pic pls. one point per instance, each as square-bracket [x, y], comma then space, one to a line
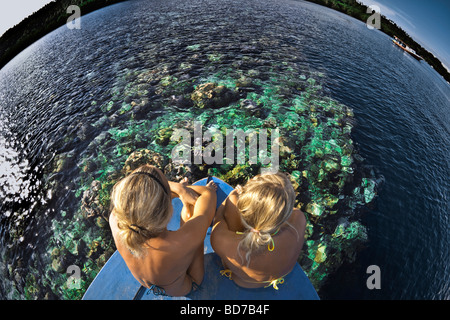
[13, 12]
[426, 21]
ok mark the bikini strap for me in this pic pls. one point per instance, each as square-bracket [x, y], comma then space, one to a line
[275, 283]
[227, 273]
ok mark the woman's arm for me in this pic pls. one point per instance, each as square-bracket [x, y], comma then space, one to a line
[204, 209]
[220, 232]
[226, 222]
[231, 213]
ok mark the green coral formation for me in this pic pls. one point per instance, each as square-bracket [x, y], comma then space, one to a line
[316, 147]
[324, 255]
[136, 126]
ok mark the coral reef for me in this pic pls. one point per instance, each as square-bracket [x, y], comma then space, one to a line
[316, 150]
[136, 126]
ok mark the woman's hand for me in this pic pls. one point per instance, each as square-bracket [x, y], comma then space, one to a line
[190, 196]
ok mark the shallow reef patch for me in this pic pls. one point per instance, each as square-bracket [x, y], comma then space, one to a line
[136, 124]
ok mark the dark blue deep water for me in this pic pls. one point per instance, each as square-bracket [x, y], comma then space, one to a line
[402, 109]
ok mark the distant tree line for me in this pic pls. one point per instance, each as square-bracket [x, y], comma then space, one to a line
[48, 18]
[359, 11]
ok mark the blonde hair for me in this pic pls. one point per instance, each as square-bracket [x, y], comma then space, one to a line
[266, 203]
[141, 205]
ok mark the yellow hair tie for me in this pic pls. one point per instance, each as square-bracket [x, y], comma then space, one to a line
[271, 241]
[273, 245]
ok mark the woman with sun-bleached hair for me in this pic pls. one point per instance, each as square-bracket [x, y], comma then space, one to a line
[258, 233]
[167, 262]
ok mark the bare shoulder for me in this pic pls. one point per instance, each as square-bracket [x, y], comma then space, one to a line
[222, 239]
[298, 220]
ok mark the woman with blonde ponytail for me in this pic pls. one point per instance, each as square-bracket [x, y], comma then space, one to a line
[258, 233]
[167, 262]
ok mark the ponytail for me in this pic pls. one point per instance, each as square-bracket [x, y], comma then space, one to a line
[254, 241]
[134, 236]
[266, 203]
[141, 204]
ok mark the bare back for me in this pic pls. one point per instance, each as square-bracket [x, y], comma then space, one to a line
[164, 262]
[173, 259]
[266, 265]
